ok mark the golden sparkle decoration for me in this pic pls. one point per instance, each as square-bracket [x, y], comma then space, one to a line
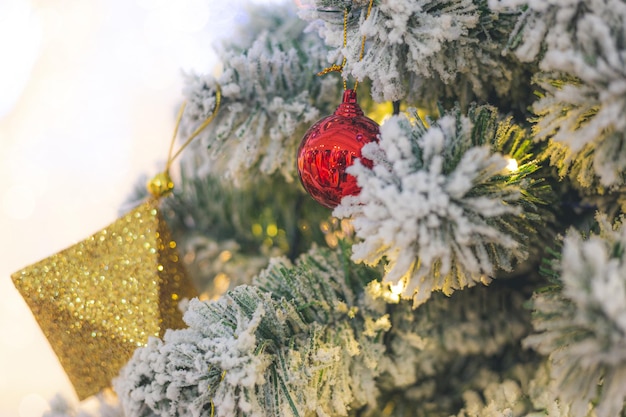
[161, 185]
[99, 300]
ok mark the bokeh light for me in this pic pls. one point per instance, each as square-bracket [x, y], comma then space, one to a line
[20, 27]
[18, 202]
[32, 405]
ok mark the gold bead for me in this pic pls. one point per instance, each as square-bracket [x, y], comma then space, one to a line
[161, 185]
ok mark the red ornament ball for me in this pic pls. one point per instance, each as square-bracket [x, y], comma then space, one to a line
[330, 146]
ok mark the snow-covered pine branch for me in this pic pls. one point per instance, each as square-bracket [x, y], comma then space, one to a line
[474, 330]
[430, 50]
[300, 342]
[580, 324]
[581, 46]
[315, 339]
[440, 208]
[524, 390]
[270, 96]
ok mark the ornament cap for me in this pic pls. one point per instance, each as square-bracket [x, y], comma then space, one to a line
[349, 106]
[161, 185]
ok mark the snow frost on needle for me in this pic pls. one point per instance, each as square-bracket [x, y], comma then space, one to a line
[580, 325]
[270, 97]
[442, 43]
[424, 208]
[580, 46]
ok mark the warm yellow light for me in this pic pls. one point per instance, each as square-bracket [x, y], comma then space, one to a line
[512, 165]
[257, 229]
[221, 283]
[397, 289]
[225, 256]
[272, 230]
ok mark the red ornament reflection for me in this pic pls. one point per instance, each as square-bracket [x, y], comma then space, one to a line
[330, 146]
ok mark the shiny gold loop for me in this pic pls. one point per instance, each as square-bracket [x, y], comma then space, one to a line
[332, 68]
[162, 184]
[207, 121]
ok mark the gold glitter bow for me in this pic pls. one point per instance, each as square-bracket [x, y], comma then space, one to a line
[99, 300]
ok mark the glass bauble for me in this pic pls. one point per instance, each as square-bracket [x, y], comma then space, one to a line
[330, 146]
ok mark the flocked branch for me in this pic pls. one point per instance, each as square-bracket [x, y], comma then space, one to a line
[270, 96]
[425, 50]
[580, 324]
[581, 47]
[442, 208]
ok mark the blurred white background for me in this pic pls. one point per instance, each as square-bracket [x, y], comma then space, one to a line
[88, 94]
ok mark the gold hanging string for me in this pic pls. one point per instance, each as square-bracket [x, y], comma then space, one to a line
[367, 15]
[339, 68]
[207, 121]
[332, 68]
[212, 403]
[335, 67]
[162, 183]
[179, 117]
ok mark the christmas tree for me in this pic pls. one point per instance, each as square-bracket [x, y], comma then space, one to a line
[479, 269]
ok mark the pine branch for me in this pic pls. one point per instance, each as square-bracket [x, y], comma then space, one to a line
[289, 352]
[428, 51]
[581, 47]
[440, 209]
[270, 96]
[580, 324]
[314, 337]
